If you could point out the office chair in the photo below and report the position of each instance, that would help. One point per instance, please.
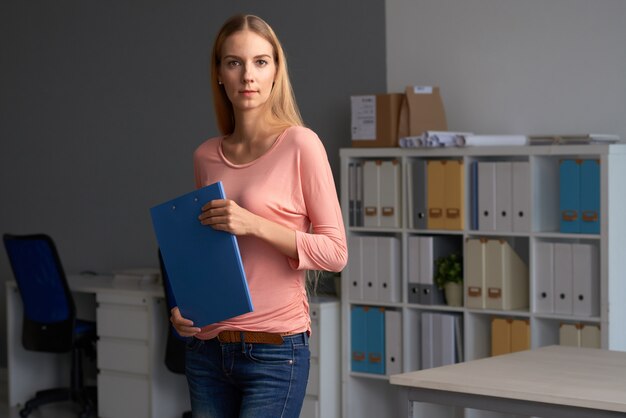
(49, 320)
(176, 345)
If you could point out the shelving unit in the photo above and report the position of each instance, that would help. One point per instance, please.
(369, 395)
(323, 391)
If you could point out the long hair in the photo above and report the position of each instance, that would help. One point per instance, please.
(281, 104)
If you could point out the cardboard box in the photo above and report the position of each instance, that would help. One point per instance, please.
(375, 120)
(422, 110)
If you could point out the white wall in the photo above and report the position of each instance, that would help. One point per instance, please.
(514, 66)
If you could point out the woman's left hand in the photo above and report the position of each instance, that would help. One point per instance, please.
(226, 215)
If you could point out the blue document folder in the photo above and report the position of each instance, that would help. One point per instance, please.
(204, 265)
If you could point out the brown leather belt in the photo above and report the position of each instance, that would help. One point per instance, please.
(251, 337)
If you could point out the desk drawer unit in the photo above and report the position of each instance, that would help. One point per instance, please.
(123, 355)
(323, 389)
(126, 351)
(131, 395)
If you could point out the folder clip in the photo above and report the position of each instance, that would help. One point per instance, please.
(452, 213)
(474, 291)
(388, 211)
(434, 212)
(495, 292)
(370, 211)
(375, 358)
(569, 215)
(590, 216)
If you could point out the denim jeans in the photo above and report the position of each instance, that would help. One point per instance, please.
(242, 380)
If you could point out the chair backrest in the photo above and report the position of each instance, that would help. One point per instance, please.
(176, 345)
(49, 311)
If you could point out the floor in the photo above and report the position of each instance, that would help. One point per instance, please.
(60, 410)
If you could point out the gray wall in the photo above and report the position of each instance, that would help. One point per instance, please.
(103, 103)
(514, 67)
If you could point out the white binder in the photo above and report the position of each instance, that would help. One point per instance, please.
(486, 196)
(356, 268)
(427, 337)
(393, 342)
(506, 277)
(586, 280)
(504, 196)
(389, 192)
(371, 198)
(563, 283)
(447, 345)
(474, 273)
(521, 196)
(369, 254)
(544, 277)
(388, 269)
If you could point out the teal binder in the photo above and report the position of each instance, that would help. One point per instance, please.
(204, 265)
(569, 196)
(359, 339)
(375, 335)
(590, 197)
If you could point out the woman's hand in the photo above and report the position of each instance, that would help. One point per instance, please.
(226, 215)
(183, 326)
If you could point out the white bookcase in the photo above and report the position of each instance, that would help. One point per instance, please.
(323, 391)
(371, 395)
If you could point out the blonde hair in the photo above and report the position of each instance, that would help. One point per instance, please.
(282, 106)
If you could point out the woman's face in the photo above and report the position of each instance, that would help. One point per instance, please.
(247, 70)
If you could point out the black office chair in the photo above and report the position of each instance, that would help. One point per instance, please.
(49, 320)
(176, 345)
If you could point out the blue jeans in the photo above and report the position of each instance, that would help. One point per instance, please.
(243, 380)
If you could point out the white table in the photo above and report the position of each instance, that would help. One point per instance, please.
(30, 371)
(551, 382)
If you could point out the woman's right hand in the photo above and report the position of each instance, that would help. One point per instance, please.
(183, 326)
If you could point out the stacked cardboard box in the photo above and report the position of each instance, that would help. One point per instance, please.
(379, 120)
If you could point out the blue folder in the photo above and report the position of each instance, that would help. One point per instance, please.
(375, 334)
(569, 196)
(359, 340)
(590, 197)
(204, 265)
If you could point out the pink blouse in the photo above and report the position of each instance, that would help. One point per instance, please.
(292, 185)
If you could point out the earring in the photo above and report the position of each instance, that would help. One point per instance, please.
(219, 82)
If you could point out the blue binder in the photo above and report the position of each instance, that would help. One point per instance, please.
(590, 197)
(375, 318)
(358, 341)
(204, 265)
(569, 196)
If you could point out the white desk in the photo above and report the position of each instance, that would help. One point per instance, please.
(163, 394)
(548, 382)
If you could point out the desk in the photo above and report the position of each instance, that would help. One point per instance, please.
(131, 320)
(553, 381)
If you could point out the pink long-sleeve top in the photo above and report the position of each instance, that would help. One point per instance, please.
(292, 185)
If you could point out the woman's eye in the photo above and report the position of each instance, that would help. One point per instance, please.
(262, 62)
(233, 63)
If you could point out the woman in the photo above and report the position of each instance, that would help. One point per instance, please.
(282, 206)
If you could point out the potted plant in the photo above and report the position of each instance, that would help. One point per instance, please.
(449, 277)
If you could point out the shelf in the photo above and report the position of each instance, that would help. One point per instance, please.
(539, 230)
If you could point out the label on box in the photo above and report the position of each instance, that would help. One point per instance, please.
(422, 90)
(363, 118)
